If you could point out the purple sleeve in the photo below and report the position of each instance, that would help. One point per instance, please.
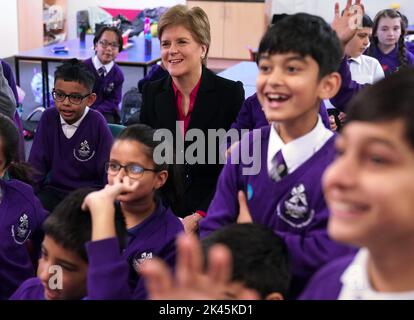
(39, 156)
(156, 73)
(245, 118)
(410, 57)
(312, 249)
(105, 144)
(108, 271)
(224, 207)
(348, 88)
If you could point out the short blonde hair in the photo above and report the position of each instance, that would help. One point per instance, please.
(195, 20)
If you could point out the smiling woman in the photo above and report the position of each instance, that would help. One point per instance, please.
(194, 97)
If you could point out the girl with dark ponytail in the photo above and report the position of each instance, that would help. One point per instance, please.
(387, 44)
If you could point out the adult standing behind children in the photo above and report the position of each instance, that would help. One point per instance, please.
(72, 142)
(108, 75)
(388, 44)
(194, 95)
(298, 59)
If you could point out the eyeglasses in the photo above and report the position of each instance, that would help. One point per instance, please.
(132, 170)
(105, 44)
(73, 98)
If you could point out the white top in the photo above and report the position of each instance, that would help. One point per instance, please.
(296, 152)
(365, 69)
(70, 129)
(97, 64)
(356, 284)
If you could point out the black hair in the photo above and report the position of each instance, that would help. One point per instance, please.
(10, 141)
(387, 100)
(71, 227)
(108, 28)
(172, 190)
(76, 71)
(393, 14)
(367, 21)
(260, 257)
(304, 34)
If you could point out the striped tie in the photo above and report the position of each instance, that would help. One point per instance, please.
(279, 168)
(102, 71)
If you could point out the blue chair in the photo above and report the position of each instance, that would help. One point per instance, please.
(116, 129)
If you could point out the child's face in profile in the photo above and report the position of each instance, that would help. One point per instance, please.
(288, 88)
(72, 107)
(70, 283)
(107, 48)
(359, 43)
(130, 152)
(369, 188)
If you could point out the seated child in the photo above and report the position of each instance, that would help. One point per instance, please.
(21, 214)
(72, 141)
(108, 76)
(63, 266)
(147, 193)
(298, 59)
(369, 189)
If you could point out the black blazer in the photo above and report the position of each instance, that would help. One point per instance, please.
(216, 106)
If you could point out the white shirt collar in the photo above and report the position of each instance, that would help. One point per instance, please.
(299, 150)
(357, 60)
(356, 284)
(97, 64)
(77, 123)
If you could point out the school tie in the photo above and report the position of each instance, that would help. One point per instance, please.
(279, 168)
(102, 71)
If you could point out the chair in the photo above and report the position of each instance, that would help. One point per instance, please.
(116, 129)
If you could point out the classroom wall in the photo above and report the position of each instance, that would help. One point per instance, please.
(76, 5)
(8, 21)
(325, 8)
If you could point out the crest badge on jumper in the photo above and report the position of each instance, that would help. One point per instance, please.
(20, 231)
(294, 209)
(84, 152)
(110, 87)
(140, 258)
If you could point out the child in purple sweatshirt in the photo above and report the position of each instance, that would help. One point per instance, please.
(298, 59)
(108, 75)
(63, 265)
(21, 214)
(146, 192)
(72, 141)
(369, 189)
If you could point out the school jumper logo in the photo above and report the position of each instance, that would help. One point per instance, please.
(20, 231)
(140, 258)
(110, 87)
(83, 154)
(295, 210)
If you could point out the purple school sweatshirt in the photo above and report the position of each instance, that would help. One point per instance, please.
(293, 207)
(72, 163)
(113, 275)
(21, 217)
(31, 289)
(108, 89)
(390, 62)
(156, 73)
(326, 283)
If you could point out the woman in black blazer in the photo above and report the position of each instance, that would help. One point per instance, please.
(193, 94)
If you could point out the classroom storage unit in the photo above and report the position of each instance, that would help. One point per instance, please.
(235, 26)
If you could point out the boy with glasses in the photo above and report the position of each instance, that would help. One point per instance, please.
(72, 141)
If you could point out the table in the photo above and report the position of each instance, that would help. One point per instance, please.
(132, 56)
(246, 72)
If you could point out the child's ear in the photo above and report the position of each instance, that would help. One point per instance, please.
(329, 85)
(91, 99)
(162, 177)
